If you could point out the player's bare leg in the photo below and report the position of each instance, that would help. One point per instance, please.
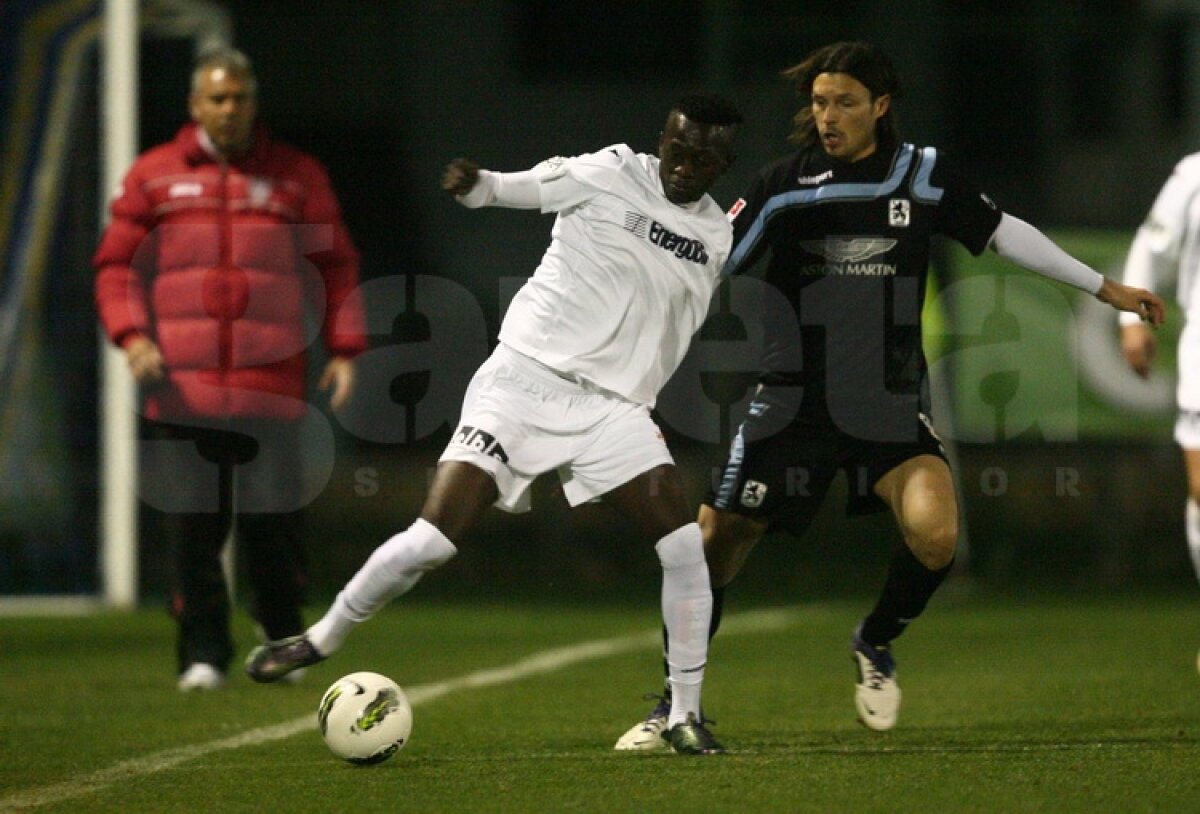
(728, 540)
(459, 496)
(921, 495)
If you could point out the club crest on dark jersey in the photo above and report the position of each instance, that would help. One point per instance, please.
(899, 212)
(753, 494)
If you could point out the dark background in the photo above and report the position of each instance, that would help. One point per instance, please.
(1069, 114)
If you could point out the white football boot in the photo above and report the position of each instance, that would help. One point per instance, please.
(876, 693)
(647, 736)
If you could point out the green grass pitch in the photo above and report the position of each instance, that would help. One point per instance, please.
(1043, 704)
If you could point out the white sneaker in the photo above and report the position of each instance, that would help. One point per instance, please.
(876, 693)
(647, 736)
(201, 676)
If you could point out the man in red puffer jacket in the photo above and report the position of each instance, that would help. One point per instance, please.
(225, 256)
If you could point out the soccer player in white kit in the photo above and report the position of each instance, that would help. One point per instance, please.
(1166, 248)
(635, 254)
(845, 224)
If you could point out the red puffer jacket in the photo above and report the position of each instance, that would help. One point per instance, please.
(219, 264)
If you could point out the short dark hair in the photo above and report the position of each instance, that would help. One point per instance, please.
(709, 108)
(865, 62)
(231, 59)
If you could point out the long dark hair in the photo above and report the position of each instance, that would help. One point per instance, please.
(866, 63)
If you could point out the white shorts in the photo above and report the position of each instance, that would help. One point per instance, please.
(1187, 388)
(521, 419)
(1187, 429)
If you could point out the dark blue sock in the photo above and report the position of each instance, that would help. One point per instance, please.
(906, 592)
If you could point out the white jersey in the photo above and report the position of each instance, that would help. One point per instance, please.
(1167, 248)
(627, 279)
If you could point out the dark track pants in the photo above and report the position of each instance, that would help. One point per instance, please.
(245, 474)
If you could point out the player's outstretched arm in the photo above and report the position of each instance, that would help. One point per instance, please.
(1146, 304)
(474, 187)
(1024, 244)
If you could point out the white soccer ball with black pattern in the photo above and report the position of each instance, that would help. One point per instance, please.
(364, 718)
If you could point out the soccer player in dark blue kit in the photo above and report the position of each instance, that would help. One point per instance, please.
(847, 221)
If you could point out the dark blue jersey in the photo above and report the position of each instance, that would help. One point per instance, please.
(849, 249)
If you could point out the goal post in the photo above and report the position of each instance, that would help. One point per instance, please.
(118, 397)
(204, 23)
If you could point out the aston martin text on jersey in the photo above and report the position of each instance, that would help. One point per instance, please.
(849, 256)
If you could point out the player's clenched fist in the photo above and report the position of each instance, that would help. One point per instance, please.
(460, 176)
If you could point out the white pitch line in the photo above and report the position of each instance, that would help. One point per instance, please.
(546, 661)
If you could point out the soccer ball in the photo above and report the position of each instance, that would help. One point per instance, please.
(364, 718)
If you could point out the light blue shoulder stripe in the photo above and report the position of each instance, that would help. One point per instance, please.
(922, 190)
(819, 195)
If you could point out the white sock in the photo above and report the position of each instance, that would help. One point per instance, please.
(1193, 534)
(687, 612)
(391, 570)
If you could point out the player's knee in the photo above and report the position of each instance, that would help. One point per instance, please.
(421, 548)
(728, 540)
(681, 548)
(934, 546)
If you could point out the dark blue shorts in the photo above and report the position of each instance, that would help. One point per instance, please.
(780, 466)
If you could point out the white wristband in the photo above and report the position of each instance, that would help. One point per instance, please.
(482, 194)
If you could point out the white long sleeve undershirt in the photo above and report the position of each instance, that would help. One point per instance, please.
(1025, 245)
(514, 190)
